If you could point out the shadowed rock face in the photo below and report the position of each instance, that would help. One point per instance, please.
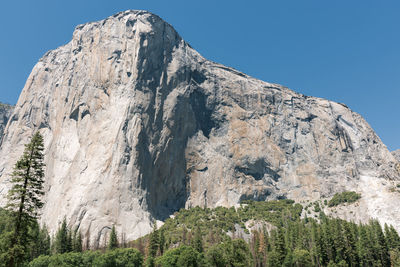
(5, 113)
(137, 125)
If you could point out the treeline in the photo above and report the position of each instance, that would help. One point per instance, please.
(278, 236)
(207, 237)
(39, 241)
(331, 242)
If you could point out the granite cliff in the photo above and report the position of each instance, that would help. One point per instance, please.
(5, 113)
(396, 154)
(137, 124)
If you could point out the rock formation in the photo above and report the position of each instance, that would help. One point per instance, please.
(396, 154)
(138, 125)
(5, 113)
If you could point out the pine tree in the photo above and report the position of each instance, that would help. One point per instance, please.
(381, 244)
(43, 242)
(162, 241)
(365, 247)
(392, 237)
(77, 241)
(395, 237)
(350, 251)
(280, 246)
(316, 252)
(338, 241)
(40, 241)
(152, 248)
(69, 244)
(61, 243)
(113, 244)
(198, 240)
(24, 198)
(154, 242)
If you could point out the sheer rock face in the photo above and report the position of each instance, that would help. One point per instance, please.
(137, 125)
(396, 154)
(5, 113)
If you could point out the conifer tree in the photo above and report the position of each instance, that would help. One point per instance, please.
(280, 246)
(361, 248)
(394, 237)
(350, 252)
(153, 242)
(152, 247)
(40, 241)
(61, 243)
(77, 241)
(198, 240)
(24, 198)
(113, 244)
(69, 244)
(382, 247)
(162, 241)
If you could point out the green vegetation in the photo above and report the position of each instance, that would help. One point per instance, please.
(38, 241)
(279, 237)
(344, 197)
(317, 208)
(24, 201)
(292, 242)
(128, 257)
(181, 257)
(66, 240)
(213, 224)
(113, 243)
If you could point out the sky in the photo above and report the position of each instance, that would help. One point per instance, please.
(345, 51)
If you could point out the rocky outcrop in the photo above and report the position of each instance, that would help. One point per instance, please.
(5, 113)
(137, 125)
(396, 154)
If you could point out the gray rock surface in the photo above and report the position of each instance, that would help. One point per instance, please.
(5, 113)
(137, 125)
(396, 154)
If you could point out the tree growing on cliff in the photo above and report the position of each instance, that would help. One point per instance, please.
(24, 198)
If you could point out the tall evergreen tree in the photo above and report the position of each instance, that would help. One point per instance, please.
(280, 246)
(392, 238)
(154, 242)
(24, 198)
(162, 241)
(113, 244)
(381, 244)
(350, 251)
(40, 244)
(152, 248)
(62, 242)
(77, 241)
(198, 240)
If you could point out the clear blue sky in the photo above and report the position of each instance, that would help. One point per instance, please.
(343, 50)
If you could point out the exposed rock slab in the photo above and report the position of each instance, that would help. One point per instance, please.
(5, 113)
(396, 154)
(380, 198)
(137, 125)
